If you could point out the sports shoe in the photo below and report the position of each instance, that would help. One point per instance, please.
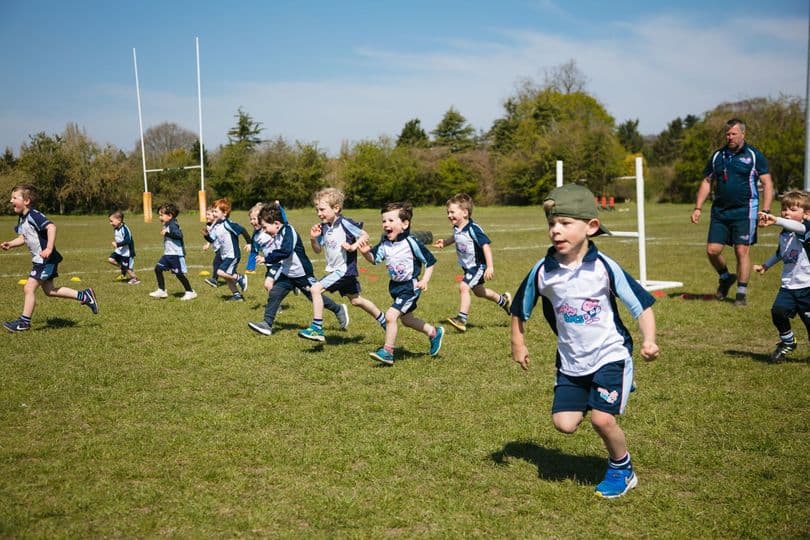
(236, 297)
(436, 341)
(617, 482)
(119, 277)
(17, 326)
(242, 282)
(315, 334)
(159, 293)
(261, 327)
(343, 316)
(460, 325)
(211, 282)
(740, 300)
(780, 353)
(134, 281)
(381, 355)
(724, 285)
(90, 300)
(508, 305)
(189, 295)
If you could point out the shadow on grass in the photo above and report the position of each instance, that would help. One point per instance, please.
(57, 323)
(706, 297)
(552, 464)
(765, 357)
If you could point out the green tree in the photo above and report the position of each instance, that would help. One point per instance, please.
(454, 131)
(246, 131)
(412, 134)
(629, 137)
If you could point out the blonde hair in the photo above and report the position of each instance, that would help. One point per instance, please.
(333, 197)
(795, 197)
(464, 201)
(256, 208)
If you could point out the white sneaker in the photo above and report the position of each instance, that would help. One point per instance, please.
(159, 293)
(189, 295)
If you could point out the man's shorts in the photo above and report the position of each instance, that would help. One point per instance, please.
(345, 285)
(733, 227)
(606, 390)
(175, 263)
(125, 263)
(474, 276)
(228, 265)
(405, 295)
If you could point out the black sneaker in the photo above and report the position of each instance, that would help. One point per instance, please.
(724, 285)
(17, 326)
(740, 300)
(90, 300)
(780, 353)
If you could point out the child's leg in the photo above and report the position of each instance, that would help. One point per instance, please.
(30, 297)
(279, 291)
(368, 306)
(391, 316)
(85, 296)
(465, 301)
(482, 292)
(230, 280)
(411, 321)
(611, 434)
(184, 281)
(161, 282)
(567, 421)
(317, 302)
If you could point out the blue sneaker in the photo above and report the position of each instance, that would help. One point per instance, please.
(17, 326)
(381, 355)
(90, 300)
(343, 316)
(315, 334)
(436, 341)
(211, 282)
(617, 482)
(242, 282)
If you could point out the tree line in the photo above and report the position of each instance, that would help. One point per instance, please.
(513, 162)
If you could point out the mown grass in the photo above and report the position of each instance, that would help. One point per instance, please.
(169, 418)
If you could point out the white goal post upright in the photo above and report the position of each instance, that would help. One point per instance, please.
(641, 234)
(147, 196)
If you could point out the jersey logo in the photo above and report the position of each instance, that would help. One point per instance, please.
(587, 314)
(609, 397)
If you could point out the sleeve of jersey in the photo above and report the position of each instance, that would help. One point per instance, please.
(479, 236)
(762, 164)
(378, 253)
(174, 231)
(39, 220)
(629, 291)
(352, 228)
(127, 238)
(708, 170)
(527, 295)
(428, 257)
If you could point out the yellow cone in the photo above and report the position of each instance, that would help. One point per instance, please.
(75, 278)
(205, 273)
(22, 282)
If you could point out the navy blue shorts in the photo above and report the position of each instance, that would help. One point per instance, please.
(228, 265)
(733, 227)
(346, 286)
(606, 390)
(175, 263)
(44, 271)
(125, 263)
(404, 295)
(474, 276)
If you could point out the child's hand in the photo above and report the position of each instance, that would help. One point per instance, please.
(345, 246)
(363, 246)
(423, 284)
(766, 219)
(259, 259)
(45, 253)
(5, 246)
(163, 231)
(520, 354)
(114, 244)
(206, 246)
(439, 243)
(649, 350)
(315, 231)
(204, 231)
(759, 269)
(247, 247)
(489, 273)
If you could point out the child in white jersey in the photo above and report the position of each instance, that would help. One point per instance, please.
(224, 237)
(174, 253)
(474, 256)
(38, 233)
(124, 255)
(337, 236)
(794, 294)
(404, 257)
(579, 286)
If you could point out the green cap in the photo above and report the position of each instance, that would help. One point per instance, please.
(572, 200)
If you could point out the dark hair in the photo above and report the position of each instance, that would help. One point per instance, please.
(405, 209)
(170, 209)
(270, 213)
(118, 214)
(735, 122)
(464, 201)
(28, 192)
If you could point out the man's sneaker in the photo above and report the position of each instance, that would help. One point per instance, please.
(740, 300)
(90, 300)
(724, 285)
(780, 353)
(381, 355)
(617, 482)
(508, 305)
(315, 334)
(242, 282)
(236, 297)
(211, 282)
(159, 293)
(134, 281)
(17, 326)
(343, 316)
(436, 341)
(189, 295)
(460, 325)
(261, 327)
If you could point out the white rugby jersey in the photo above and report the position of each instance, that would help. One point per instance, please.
(332, 237)
(794, 242)
(287, 249)
(224, 238)
(579, 304)
(32, 227)
(469, 241)
(173, 239)
(404, 257)
(124, 244)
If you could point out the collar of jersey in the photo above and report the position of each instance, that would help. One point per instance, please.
(552, 263)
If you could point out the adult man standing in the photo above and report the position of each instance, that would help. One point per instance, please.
(735, 170)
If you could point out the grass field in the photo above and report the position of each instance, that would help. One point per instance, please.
(170, 418)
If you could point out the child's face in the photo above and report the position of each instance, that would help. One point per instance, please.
(326, 213)
(18, 203)
(163, 217)
(254, 220)
(392, 225)
(457, 215)
(271, 227)
(217, 214)
(209, 215)
(115, 221)
(796, 213)
(569, 236)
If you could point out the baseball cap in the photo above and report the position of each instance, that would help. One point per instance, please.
(572, 200)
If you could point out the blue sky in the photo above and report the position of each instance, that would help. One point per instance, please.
(328, 72)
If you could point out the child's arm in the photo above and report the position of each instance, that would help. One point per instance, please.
(423, 283)
(444, 242)
(646, 324)
(762, 268)
(489, 273)
(365, 249)
(314, 235)
(9, 244)
(353, 247)
(520, 353)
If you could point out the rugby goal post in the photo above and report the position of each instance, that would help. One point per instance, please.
(640, 233)
(147, 195)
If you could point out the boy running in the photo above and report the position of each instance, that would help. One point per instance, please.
(174, 253)
(124, 255)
